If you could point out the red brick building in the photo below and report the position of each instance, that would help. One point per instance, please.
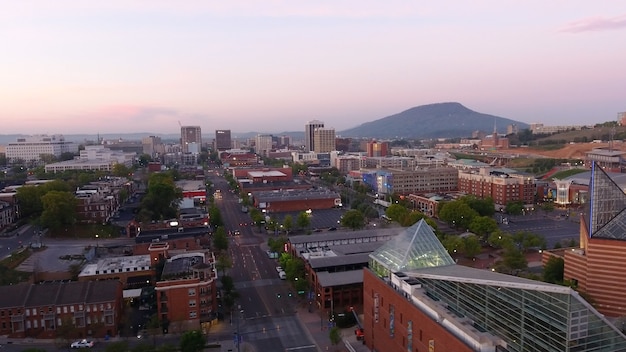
(72, 309)
(187, 292)
(375, 148)
(296, 200)
(500, 186)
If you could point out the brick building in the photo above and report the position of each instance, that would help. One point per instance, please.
(296, 200)
(375, 148)
(72, 309)
(501, 186)
(334, 262)
(133, 271)
(421, 180)
(187, 292)
(417, 299)
(594, 267)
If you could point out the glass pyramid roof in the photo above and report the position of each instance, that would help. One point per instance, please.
(607, 207)
(414, 248)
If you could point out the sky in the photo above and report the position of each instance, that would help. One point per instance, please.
(270, 66)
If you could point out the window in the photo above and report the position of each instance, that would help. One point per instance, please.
(58, 310)
(72, 309)
(192, 303)
(193, 314)
(65, 309)
(192, 291)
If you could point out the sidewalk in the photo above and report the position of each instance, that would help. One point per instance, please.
(317, 330)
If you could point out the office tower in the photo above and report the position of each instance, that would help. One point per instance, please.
(31, 148)
(152, 145)
(191, 139)
(222, 140)
(323, 140)
(309, 130)
(263, 144)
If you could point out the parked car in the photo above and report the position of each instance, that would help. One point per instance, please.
(84, 343)
(279, 269)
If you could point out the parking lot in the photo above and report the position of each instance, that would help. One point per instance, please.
(554, 226)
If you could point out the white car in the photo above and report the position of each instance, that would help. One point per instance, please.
(82, 344)
(279, 269)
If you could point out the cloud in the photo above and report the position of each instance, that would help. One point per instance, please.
(595, 24)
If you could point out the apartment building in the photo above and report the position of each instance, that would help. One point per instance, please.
(421, 180)
(309, 134)
(324, 140)
(187, 292)
(92, 309)
(501, 186)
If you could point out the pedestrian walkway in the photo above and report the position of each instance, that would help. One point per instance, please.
(318, 331)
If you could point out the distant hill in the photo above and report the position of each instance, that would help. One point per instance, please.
(443, 120)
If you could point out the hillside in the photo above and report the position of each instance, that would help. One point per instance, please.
(443, 120)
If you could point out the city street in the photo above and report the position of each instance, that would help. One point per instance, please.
(265, 315)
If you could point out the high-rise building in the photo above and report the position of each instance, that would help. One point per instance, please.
(323, 140)
(223, 140)
(263, 144)
(33, 147)
(191, 139)
(152, 145)
(309, 130)
(375, 148)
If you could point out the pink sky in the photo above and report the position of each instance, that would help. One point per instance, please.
(271, 66)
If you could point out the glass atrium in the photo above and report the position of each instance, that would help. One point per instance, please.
(521, 314)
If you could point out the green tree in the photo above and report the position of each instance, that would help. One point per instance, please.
(29, 198)
(121, 170)
(547, 207)
(288, 223)
(59, 209)
(526, 240)
(553, 270)
(192, 341)
(215, 216)
(334, 334)
(162, 197)
(220, 240)
(223, 262)
(276, 244)
(303, 221)
(458, 214)
(411, 218)
(353, 219)
(484, 207)
(396, 212)
(514, 208)
(514, 260)
(483, 226)
(471, 246)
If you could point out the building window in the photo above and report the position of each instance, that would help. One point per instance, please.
(65, 309)
(192, 303)
(193, 314)
(192, 291)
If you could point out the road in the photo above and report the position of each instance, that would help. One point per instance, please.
(23, 236)
(265, 314)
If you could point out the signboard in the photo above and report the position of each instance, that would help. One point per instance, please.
(431, 345)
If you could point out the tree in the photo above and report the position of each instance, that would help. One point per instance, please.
(220, 240)
(162, 197)
(303, 221)
(288, 223)
(334, 335)
(484, 207)
(396, 212)
(121, 170)
(215, 216)
(59, 209)
(514, 208)
(457, 213)
(276, 244)
(353, 219)
(471, 246)
(526, 240)
(483, 226)
(514, 260)
(192, 341)
(29, 198)
(553, 270)
(223, 263)
(547, 207)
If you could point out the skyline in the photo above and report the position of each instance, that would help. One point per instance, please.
(271, 66)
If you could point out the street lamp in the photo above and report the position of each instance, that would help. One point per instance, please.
(97, 244)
